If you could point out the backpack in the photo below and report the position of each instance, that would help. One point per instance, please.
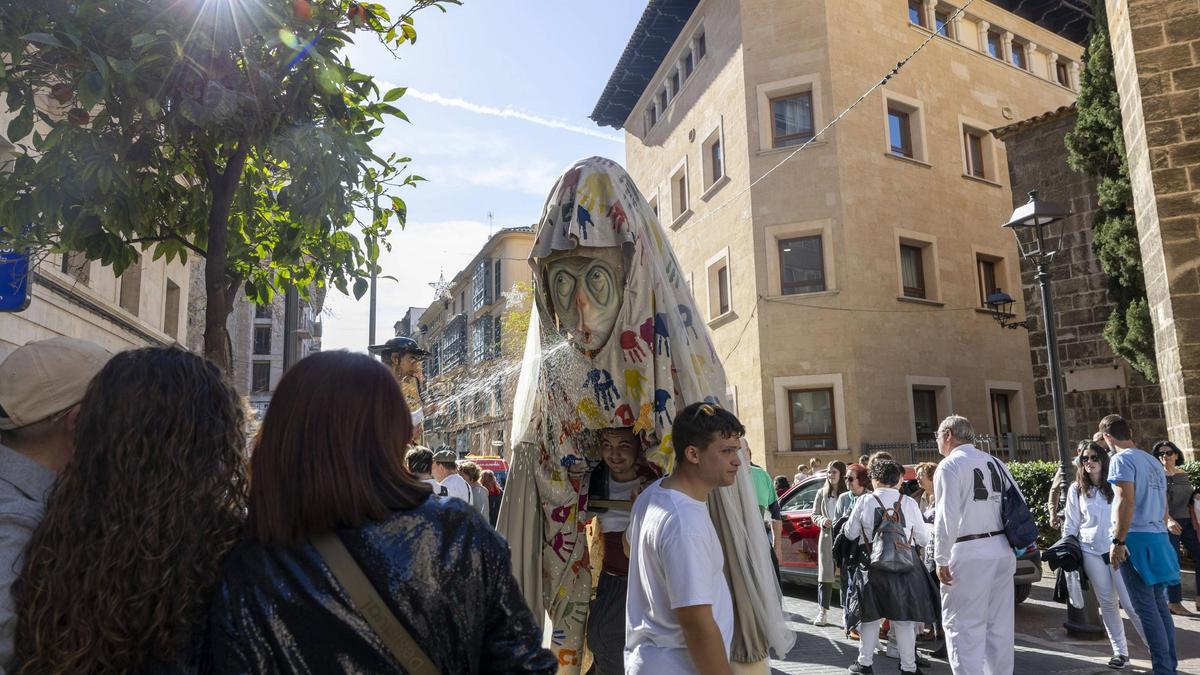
(890, 549)
(1019, 526)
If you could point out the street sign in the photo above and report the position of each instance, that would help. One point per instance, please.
(16, 280)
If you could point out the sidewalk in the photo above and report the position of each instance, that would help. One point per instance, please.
(1042, 644)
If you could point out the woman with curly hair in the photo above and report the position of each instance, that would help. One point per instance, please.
(118, 575)
(327, 461)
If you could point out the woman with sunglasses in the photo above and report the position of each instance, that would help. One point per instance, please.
(1089, 518)
(1180, 527)
(858, 483)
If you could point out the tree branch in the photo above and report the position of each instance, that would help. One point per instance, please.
(171, 237)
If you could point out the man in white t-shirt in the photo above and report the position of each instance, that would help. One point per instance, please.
(679, 611)
(445, 472)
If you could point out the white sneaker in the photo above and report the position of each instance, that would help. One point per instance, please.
(821, 618)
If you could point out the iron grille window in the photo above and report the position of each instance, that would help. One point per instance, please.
(482, 286)
(481, 339)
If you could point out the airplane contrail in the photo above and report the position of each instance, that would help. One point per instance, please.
(510, 113)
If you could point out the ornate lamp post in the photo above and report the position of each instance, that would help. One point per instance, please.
(1029, 223)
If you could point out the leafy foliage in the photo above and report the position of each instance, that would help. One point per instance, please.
(232, 130)
(1097, 147)
(1034, 479)
(515, 322)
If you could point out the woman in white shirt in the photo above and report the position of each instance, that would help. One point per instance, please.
(906, 598)
(1089, 518)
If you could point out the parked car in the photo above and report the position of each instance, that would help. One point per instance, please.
(796, 548)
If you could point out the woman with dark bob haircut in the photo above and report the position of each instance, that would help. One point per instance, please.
(119, 573)
(329, 458)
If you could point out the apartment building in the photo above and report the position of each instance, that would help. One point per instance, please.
(844, 286)
(471, 373)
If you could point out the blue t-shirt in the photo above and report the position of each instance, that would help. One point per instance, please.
(1149, 480)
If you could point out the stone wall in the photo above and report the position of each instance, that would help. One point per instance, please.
(1156, 50)
(1096, 381)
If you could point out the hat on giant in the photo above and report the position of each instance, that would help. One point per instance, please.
(398, 345)
(445, 457)
(46, 377)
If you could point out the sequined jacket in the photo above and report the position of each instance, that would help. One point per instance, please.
(443, 571)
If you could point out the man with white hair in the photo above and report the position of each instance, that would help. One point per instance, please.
(974, 561)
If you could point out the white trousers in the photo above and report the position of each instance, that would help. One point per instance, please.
(977, 613)
(1107, 584)
(903, 634)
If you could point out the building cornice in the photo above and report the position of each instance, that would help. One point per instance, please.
(663, 21)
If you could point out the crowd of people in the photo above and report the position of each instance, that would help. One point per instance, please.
(134, 539)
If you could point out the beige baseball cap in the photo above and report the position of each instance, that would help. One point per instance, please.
(46, 377)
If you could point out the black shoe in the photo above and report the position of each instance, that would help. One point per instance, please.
(1119, 662)
(922, 662)
(860, 669)
(940, 653)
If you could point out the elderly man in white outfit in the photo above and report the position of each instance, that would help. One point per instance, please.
(974, 561)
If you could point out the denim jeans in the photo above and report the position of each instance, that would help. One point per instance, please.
(1150, 602)
(1189, 540)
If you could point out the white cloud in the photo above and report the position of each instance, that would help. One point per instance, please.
(419, 254)
(511, 113)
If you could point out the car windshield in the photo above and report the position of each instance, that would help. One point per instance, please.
(803, 498)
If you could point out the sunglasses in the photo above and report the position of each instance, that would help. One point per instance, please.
(1090, 458)
(1165, 453)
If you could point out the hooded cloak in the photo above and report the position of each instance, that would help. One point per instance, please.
(658, 359)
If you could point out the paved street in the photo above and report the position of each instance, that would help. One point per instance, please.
(1043, 646)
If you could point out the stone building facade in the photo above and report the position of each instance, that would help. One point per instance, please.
(471, 372)
(843, 285)
(1096, 381)
(1156, 51)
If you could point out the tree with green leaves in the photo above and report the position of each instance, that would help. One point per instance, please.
(236, 130)
(1096, 147)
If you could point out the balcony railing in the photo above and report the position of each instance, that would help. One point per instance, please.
(1007, 447)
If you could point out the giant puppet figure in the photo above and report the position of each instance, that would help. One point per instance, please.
(614, 341)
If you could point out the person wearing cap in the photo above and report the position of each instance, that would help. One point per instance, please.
(403, 357)
(41, 386)
(445, 471)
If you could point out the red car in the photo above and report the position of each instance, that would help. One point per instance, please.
(797, 547)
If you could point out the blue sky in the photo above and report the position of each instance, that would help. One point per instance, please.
(499, 94)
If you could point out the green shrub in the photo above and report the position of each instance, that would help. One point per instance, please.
(1193, 472)
(1034, 479)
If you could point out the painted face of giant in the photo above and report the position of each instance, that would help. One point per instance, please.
(586, 286)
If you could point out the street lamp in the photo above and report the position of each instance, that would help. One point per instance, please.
(1001, 305)
(1033, 223)
(1029, 223)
